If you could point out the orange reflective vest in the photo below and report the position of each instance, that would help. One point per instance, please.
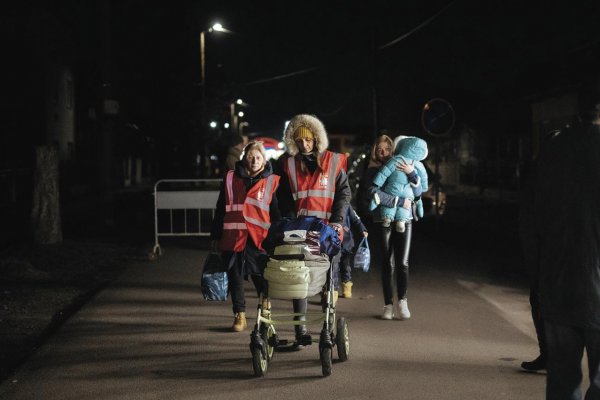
(313, 193)
(246, 212)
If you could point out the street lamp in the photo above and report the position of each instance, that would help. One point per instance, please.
(235, 116)
(214, 28)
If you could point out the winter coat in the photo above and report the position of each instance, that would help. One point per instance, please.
(561, 227)
(410, 150)
(311, 164)
(366, 192)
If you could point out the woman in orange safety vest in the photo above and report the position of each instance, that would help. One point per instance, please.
(314, 181)
(246, 206)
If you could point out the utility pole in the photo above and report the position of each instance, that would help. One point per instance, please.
(110, 111)
(374, 81)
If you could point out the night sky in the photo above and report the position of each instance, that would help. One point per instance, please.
(322, 57)
(469, 51)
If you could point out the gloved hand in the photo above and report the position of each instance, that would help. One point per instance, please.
(420, 212)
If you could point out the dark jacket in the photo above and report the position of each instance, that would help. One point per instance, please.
(561, 227)
(352, 226)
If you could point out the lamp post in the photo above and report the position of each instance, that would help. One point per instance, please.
(218, 28)
(242, 125)
(234, 116)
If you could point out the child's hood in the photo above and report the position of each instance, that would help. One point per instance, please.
(413, 148)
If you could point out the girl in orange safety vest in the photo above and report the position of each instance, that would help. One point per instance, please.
(246, 206)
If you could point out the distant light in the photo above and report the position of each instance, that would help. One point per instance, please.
(280, 145)
(214, 157)
(239, 101)
(213, 124)
(240, 114)
(226, 125)
(363, 156)
(218, 27)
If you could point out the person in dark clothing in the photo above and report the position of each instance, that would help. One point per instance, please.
(565, 254)
(245, 208)
(528, 242)
(344, 266)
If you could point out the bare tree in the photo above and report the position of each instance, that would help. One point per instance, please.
(45, 212)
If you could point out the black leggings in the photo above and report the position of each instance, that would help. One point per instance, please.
(395, 248)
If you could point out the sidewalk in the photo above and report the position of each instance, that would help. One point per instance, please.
(150, 335)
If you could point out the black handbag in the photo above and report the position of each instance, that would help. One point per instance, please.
(215, 284)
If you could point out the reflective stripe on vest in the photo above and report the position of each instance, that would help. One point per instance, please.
(234, 225)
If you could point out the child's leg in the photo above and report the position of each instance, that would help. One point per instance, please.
(346, 266)
(387, 215)
(401, 218)
(346, 270)
(418, 191)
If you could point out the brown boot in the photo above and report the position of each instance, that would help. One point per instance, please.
(347, 290)
(239, 323)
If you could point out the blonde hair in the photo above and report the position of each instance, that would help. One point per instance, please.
(255, 145)
(381, 139)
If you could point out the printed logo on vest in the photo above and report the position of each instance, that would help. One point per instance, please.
(323, 179)
(260, 194)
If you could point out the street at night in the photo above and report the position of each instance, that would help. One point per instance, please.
(150, 334)
(139, 137)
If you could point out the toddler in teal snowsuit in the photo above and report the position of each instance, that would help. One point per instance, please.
(409, 150)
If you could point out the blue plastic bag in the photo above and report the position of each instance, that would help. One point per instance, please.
(362, 258)
(215, 284)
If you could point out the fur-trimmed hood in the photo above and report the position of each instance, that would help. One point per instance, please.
(316, 127)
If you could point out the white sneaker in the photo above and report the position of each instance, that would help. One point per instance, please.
(388, 311)
(403, 312)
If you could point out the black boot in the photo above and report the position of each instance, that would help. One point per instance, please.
(535, 365)
(300, 307)
(301, 331)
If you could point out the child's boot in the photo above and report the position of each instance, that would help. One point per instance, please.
(347, 290)
(400, 226)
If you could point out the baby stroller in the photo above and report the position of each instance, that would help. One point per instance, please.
(300, 266)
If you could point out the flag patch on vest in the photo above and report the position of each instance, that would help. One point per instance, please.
(260, 194)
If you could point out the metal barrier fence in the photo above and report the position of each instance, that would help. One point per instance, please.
(184, 206)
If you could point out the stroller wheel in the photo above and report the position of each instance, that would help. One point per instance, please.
(268, 337)
(259, 362)
(325, 356)
(342, 339)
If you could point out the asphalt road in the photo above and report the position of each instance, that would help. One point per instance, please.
(151, 335)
